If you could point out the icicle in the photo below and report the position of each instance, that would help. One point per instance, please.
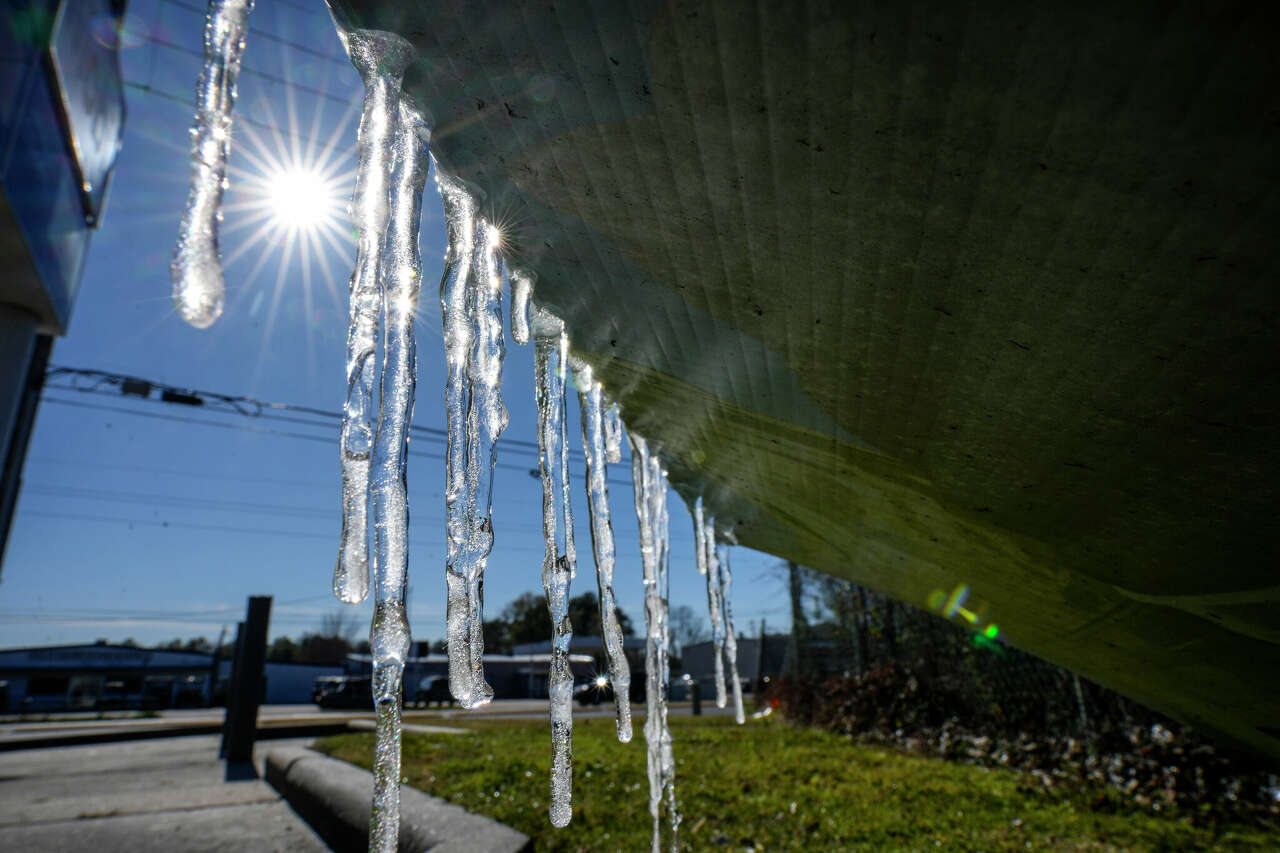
(650, 485)
(460, 222)
(730, 639)
(704, 537)
(380, 58)
(612, 435)
(389, 636)
(471, 310)
(521, 289)
(550, 354)
(590, 404)
(199, 289)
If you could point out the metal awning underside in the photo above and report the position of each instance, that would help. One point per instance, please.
(922, 293)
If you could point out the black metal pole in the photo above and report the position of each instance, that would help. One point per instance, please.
(20, 437)
(246, 696)
(231, 690)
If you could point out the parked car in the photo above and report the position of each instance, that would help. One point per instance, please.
(343, 691)
(433, 688)
(594, 692)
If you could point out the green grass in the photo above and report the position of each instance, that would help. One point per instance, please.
(772, 786)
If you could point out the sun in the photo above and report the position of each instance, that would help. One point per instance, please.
(300, 198)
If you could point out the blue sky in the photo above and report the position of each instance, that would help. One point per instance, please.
(153, 521)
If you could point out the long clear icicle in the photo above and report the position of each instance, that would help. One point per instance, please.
(389, 635)
(199, 289)
(471, 309)
(559, 564)
(650, 485)
(381, 58)
(590, 402)
(730, 639)
(704, 537)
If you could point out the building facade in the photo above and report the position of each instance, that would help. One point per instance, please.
(103, 677)
(62, 114)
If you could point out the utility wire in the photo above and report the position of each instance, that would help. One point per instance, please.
(89, 380)
(250, 428)
(185, 473)
(179, 501)
(210, 612)
(222, 528)
(209, 504)
(276, 432)
(148, 89)
(264, 415)
(239, 404)
(310, 10)
(254, 72)
(621, 533)
(218, 528)
(269, 36)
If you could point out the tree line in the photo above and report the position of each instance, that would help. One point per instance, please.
(524, 620)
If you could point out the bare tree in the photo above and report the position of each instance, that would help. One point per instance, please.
(797, 646)
(339, 624)
(687, 628)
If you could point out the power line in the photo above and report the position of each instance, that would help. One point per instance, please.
(220, 528)
(220, 406)
(185, 473)
(310, 10)
(148, 89)
(175, 501)
(254, 72)
(250, 428)
(140, 388)
(210, 504)
(269, 36)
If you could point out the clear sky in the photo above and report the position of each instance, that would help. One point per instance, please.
(150, 520)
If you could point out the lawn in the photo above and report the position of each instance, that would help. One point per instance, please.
(771, 786)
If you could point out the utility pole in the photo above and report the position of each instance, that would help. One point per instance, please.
(247, 682)
(798, 644)
(861, 627)
(217, 661)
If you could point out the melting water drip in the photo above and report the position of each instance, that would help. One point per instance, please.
(730, 639)
(550, 355)
(471, 309)
(199, 289)
(590, 403)
(380, 58)
(612, 435)
(521, 288)
(704, 537)
(650, 485)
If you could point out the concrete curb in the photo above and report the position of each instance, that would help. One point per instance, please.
(408, 728)
(334, 797)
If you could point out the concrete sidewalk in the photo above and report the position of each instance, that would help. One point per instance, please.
(142, 796)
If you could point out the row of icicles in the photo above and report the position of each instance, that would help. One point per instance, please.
(393, 162)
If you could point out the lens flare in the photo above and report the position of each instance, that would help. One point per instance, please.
(300, 198)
